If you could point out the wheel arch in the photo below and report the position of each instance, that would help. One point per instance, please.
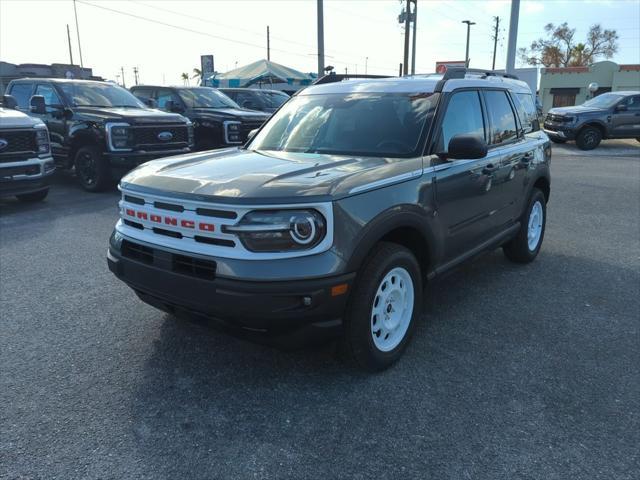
(79, 139)
(594, 124)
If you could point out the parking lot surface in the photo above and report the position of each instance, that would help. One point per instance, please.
(515, 371)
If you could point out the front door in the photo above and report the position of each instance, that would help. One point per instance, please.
(54, 118)
(626, 123)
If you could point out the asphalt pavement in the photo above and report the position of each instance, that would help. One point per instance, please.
(515, 372)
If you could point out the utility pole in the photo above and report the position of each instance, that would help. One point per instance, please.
(513, 36)
(135, 74)
(366, 61)
(496, 31)
(320, 15)
(466, 55)
(400, 72)
(415, 26)
(407, 28)
(69, 40)
(124, 85)
(75, 11)
(268, 45)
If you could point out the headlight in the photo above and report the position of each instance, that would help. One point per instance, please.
(119, 136)
(42, 140)
(280, 230)
(190, 134)
(232, 132)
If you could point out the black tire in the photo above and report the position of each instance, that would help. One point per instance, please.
(588, 138)
(92, 169)
(518, 250)
(357, 340)
(34, 196)
(558, 140)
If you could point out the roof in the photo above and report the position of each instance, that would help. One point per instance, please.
(60, 80)
(414, 84)
(262, 70)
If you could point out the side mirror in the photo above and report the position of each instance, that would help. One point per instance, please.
(252, 134)
(621, 108)
(467, 147)
(9, 102)
(151, 103)
(37, 105)
(171, 106)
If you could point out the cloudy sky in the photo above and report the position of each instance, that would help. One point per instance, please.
(166, 37)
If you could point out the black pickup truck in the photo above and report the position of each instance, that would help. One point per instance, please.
(217, 120)
(99, 128)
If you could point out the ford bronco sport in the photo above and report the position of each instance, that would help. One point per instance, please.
(99, 128)
(341, 208)
(25, 157)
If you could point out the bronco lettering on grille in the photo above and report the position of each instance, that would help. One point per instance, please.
(205, 227)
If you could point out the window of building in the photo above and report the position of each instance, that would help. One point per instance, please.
(463, 116)
(501, 117)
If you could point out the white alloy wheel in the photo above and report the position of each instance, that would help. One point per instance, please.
(392, 309)
(536, 219)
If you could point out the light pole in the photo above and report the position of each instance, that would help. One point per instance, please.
(466, 55)
(513, 36)
(320, 15)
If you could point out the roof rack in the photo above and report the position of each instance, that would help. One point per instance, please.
(339, 77)
(460, 72)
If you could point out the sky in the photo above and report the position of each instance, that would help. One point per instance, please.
(165, 38)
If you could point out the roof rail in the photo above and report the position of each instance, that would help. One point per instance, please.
(339, 77)
(460, 72)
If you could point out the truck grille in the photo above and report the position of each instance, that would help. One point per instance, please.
(21, 144)
(146, 137)
(247, 126)
(557, 118)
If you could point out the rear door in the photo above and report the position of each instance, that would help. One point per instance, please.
(626, 123)
(464, 194)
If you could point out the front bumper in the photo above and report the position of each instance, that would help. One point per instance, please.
(167, 281)
(559, 131)
(26, 176)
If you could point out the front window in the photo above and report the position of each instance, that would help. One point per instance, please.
(95, 94)
(367, 124)
(606, 100)
(205, 98)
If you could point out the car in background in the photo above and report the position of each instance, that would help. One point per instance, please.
(25, 156)
(610, 115)
(257, 99)
(99, 128)
(217, 120)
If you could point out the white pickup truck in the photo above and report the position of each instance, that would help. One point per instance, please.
(25, 156)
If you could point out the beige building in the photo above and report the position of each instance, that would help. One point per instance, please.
(562, 87)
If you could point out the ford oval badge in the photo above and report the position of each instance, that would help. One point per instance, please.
(165, 136)
(3, 144)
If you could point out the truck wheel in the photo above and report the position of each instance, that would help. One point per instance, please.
(382, 311)
(558, 140)
(525, 246)
(588, 138)
(33, 197)
(92, 169)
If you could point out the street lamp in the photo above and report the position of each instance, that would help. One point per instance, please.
(466, 55)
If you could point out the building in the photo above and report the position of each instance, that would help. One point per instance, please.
(10, 71)
(563, 87)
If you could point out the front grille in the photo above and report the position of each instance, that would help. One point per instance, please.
(20, 142)
(194, 267)
(146, 137)
(247, 126)
(137, 252)
(558, 118)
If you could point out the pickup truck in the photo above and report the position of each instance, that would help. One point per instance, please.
(338, 212)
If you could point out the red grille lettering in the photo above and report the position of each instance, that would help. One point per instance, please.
(171, 221)
(156, 218)
(131, 212)
(187, 224)
(142, 215)
(206, 227)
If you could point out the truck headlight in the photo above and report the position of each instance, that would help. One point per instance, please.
(280, 230)
(190, 134)
(232, 132)
(119, 136)
(42, 140)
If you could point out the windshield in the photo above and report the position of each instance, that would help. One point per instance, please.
(99, 95)
(605, 100)
(274, 99)
(371, 124)
(205, 98)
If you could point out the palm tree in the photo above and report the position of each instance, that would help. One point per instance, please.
(197, 74)
(185, 78)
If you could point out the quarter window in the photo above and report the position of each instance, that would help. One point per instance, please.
(463, 116)
(22, 93)
(501, 117)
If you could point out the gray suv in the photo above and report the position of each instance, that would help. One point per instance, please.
(340, 209)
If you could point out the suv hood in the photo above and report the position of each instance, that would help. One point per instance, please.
(233, 174)
(130, 115)
(578, 109)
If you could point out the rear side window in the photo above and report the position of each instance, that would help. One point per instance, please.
(49, 94)
(463, 116)
(501, 117)
(527, 112)
(22, 93)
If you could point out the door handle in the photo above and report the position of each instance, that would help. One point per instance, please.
(489, 169)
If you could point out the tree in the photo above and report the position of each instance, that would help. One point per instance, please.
(185, 78)
(197, 74)
(560, 50)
